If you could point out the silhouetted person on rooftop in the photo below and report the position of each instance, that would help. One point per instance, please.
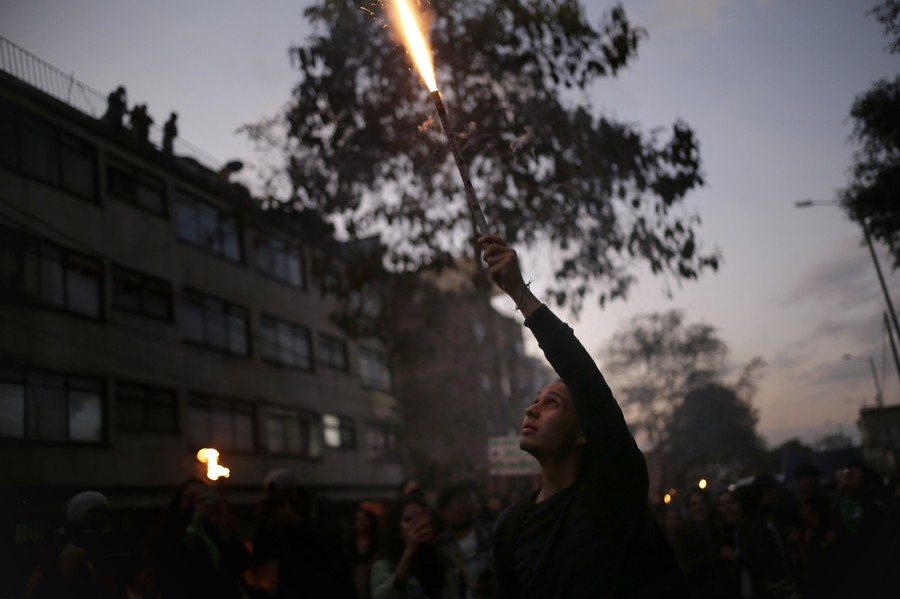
(140, 123)
(170, 131)
(115, 108)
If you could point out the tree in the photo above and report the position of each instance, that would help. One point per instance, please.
(657, 359)
(711, 428)
(871, 196)
(362, 147)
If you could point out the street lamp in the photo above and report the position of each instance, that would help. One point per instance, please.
(878, 399)
(884, 289)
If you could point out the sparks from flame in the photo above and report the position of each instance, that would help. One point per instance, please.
(214, 470)
(409, 23)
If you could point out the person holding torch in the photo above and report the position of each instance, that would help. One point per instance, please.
(588, 531)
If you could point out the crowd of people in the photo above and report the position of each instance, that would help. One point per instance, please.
(588, 530)
(139, 120)
(769, 539)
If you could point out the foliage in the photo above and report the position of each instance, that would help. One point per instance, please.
(657, 359)
(362, 146)
(713, 426)
(871, 196)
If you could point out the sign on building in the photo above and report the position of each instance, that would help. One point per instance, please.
(506, 459)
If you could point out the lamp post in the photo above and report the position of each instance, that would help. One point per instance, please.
(884, 289)
(879, 401)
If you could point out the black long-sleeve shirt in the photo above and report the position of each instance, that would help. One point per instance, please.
(595, 538)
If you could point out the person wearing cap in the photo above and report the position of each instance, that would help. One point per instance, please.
(79, 560)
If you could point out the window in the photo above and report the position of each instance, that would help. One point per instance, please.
(144, 408)
(339, 431)
(373, 369)
(202, 225)
(136, 187)
(224, 423)
(280, 260)
(43, 151)
(38, 405)
(381, 442)
(285, 343)
(142, 294)
(38, 272)
(332, 352)
(293, 432)
(215, 323)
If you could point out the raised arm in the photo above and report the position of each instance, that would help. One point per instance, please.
(612, 448)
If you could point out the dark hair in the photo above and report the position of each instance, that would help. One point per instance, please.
(427, 566)
(451, 492)
(806, 469)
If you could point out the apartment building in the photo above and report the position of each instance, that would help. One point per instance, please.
(149, 308)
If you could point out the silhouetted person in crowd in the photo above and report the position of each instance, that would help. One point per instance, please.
(141, 122)
(807, 481)
(699, 545)
(80, 561)
(589, 531)
(363, 548)
(116, 107)
(297, 550)
(410, 486)
(762, 567)
(170, 132)
(411, 565)
(467, 541)
(821, 537)
(196, 551)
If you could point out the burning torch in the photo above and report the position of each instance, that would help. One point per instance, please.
(408, 25)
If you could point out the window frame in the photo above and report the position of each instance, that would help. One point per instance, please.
(382, 360)
(314, 442)
(138, 177)
(390, 456)
(287, 248)
(345, 426)
(71, 384)
(229, 309)
(35, 258)
(183, 198)
(324, 355)
(145, 428)
(234, 406)
(143, 280)
(266, 318)
(58, 141)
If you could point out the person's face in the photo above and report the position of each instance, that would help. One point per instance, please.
(551, 425)
(413, 515)
(189, 497)
(698, 509)
(729, 508)
(362, 523)
(672, 521)
(457, 512)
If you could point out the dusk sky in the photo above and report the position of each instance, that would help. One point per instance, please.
(767, 86)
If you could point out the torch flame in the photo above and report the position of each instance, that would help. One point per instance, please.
(210, 457)
(409, 23)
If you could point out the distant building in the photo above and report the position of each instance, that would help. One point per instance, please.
(879, 429)
(462, 374)
(150, 308)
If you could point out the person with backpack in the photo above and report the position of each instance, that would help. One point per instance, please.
(588, 531)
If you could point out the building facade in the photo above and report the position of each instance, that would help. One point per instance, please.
(150, 308)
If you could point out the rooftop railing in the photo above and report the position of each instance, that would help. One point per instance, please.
(42, 75)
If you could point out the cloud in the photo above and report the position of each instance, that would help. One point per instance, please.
(696, 14)
(846, 282)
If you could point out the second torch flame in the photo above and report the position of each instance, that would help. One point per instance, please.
(408, 22)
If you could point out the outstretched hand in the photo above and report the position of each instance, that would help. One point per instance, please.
(503, 265)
